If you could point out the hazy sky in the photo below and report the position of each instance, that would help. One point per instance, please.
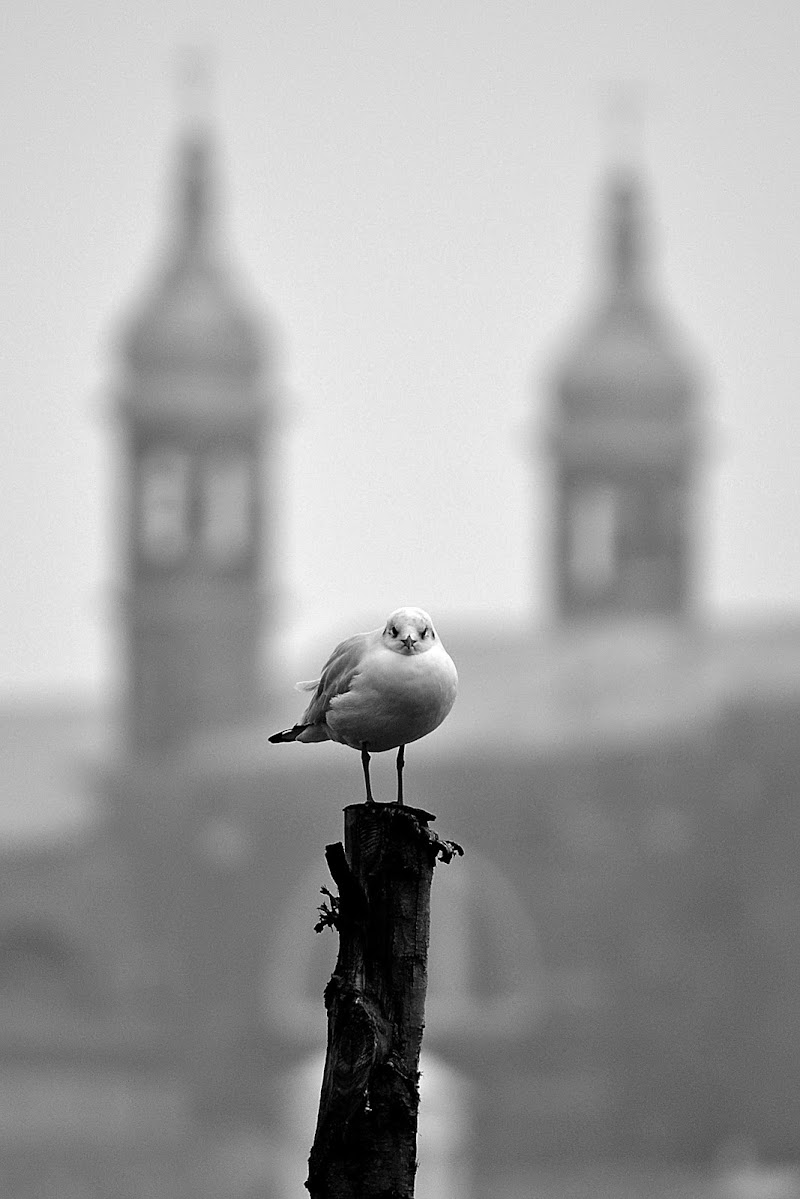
(411, 193)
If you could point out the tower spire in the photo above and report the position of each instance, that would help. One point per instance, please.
(196, 181)
(193, 405)
(195, 198)
(195, 86)
(625, 249)
(624, 112)
(625, 430)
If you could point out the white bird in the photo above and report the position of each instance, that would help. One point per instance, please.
(380, 690)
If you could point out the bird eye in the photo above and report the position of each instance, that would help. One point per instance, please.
(392, 631)
(424, 633)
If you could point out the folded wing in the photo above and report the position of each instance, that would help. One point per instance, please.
(336, 677)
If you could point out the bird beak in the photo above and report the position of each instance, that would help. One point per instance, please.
(409, 642)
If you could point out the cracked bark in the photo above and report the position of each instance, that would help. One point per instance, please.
(366, 1136)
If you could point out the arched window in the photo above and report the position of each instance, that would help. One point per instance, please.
(592, 532)
(163, 504)
(227, 504)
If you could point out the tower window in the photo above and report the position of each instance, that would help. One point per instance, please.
(163, 504)
(227, 508)
(592, 529)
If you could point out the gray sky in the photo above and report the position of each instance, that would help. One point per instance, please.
(412, 193)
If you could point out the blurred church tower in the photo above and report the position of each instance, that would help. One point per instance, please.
(194, 413)
(624, 440)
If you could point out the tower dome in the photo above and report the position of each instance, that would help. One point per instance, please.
(196, 415)
(624, 436)
(192, 319)
(628, 363)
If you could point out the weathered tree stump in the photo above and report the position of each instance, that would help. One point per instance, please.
(366, 1137)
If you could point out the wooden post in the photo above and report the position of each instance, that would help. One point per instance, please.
(366, 1139)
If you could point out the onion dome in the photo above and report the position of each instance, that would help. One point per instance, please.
(193, 320)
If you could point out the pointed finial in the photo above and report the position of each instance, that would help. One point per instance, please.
(196, 168)
(625, 232)
(195, 85)
(624, 116)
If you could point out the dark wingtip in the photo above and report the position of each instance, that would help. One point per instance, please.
(288, 734)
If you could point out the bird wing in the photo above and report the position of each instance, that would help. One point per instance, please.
(337, 675)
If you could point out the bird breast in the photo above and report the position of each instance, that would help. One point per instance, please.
(394, 699)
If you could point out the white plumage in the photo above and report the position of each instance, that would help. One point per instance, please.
(380, 691)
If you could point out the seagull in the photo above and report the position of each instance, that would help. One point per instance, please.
(380, 690)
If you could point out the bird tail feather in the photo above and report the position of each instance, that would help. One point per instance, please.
(288, 734)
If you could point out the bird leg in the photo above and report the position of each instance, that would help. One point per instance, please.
(400, 763)
(365, 764)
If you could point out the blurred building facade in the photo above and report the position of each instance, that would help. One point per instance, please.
(614, 966)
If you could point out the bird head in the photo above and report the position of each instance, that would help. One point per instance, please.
(409, 631)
